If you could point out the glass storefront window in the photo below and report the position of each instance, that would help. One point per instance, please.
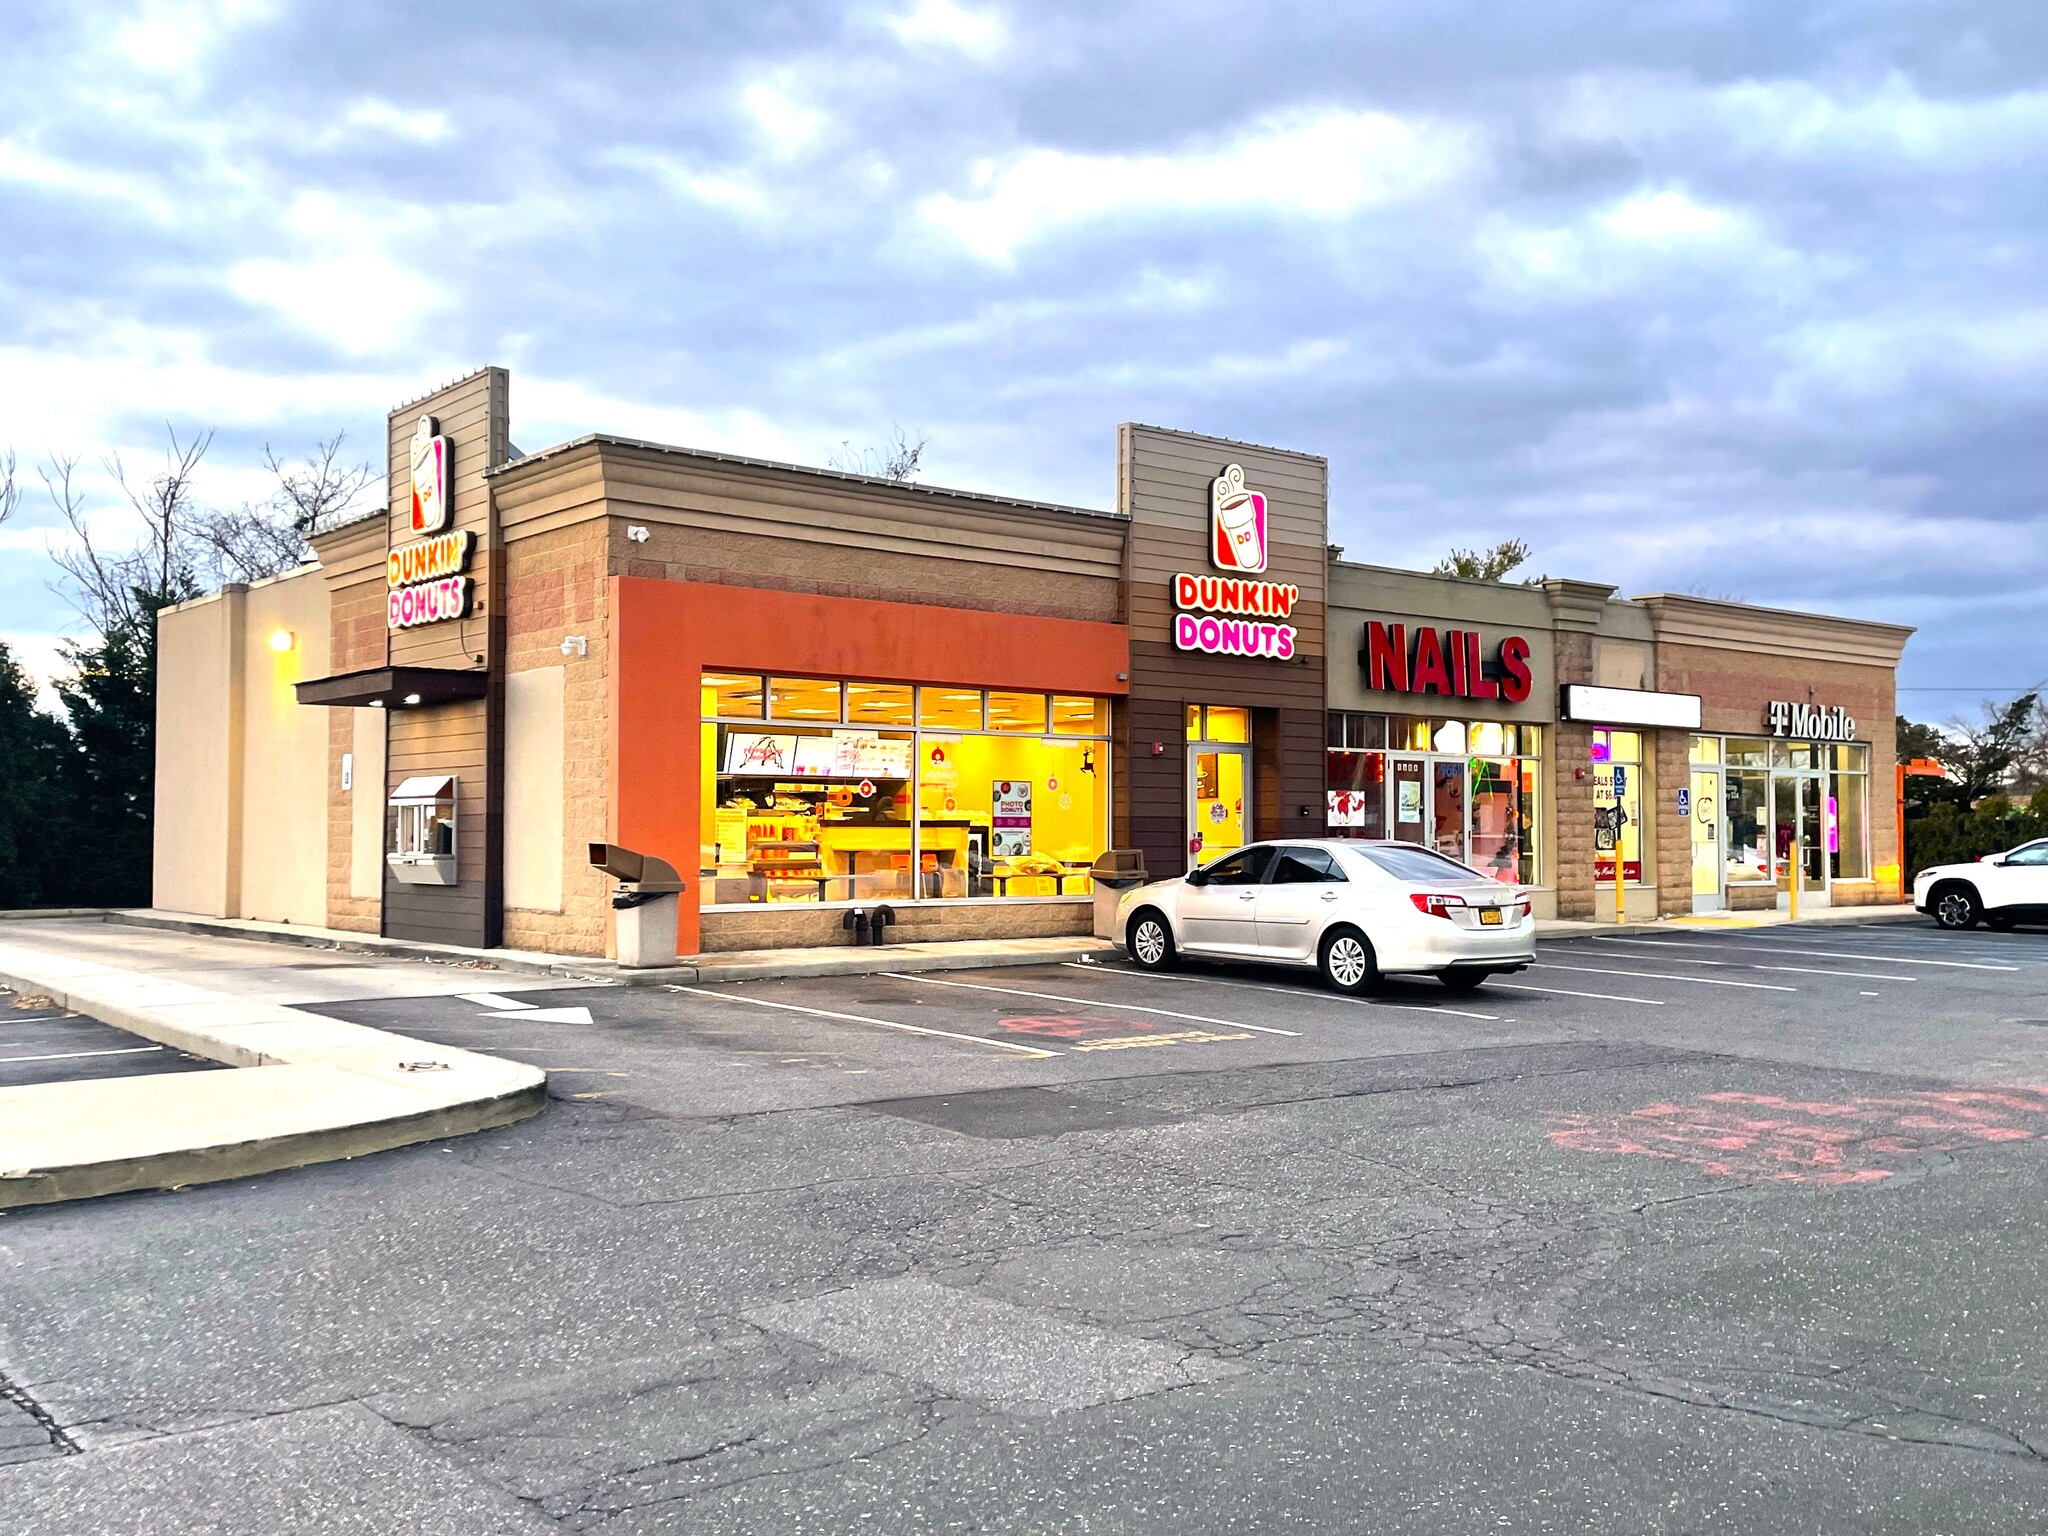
(1080, 717)
(1704, 749)
(1016, 712)
(1405, 733)
(1846, 824)
(1479, 807)
(802, 698)
(1226, 724)
(953, 709)
(1748, 754)
(840, 808)
(879, 704)
(731, 696)
(1748, 797)
(1617, 755)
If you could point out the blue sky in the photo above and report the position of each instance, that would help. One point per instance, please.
(1749, 300)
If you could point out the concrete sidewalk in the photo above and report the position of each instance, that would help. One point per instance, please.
(313, 1088)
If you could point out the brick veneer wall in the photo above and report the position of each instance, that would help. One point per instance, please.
(357, 631)
(555, 585)
(1670, 836)
(794, 927)
(1572, 744)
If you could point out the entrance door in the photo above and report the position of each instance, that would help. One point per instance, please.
(1798, 838)
(1447, 809)
(1704, 818)
(1219, 795)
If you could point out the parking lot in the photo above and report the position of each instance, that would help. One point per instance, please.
(42, 1043)
(1717, 1230)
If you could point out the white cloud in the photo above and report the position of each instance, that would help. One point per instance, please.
(168, 37)
(36, 651)
(25, 166)
(344, 287)
(978, 33)
(789, 124)
(554, 411)
(715, 189)
(1665, 216)
(416, 125)
(1323, 164)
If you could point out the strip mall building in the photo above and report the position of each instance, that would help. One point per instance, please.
(811, 691)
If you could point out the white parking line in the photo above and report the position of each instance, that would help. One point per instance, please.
(857, 1018)
(1255, 986)
(1812, 970)
(1605, 997)
(1671, 959)
(494, 1000)
(1803, 970)
(1093, 1002)
(36, 1018)
(1703, 981)
(128, 1050)
(1828, 954)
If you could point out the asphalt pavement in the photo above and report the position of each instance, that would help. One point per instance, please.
(42, 1043)
(1695, 1230)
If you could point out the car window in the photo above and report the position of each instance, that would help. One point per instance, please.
(1415, 863)
(1245, 867)
(2030, 853)
(1305, 866)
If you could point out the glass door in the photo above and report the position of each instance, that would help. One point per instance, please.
(1447, 808)
(1219, 785)
(1704, 818)
(1798, 838)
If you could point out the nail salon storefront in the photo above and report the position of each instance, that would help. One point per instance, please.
(811, 692)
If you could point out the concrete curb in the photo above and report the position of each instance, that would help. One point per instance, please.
(312, 1090)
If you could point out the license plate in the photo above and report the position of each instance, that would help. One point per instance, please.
(1489, 917)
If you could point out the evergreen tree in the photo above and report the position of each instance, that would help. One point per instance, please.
(35, 753)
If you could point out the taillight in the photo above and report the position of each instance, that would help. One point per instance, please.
(1435, 906)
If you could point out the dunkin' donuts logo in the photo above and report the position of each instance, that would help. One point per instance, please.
(430, 507)
(1237, 523)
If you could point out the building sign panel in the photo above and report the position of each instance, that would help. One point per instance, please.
(1237, 524)
(1811, 722)
(1207, 619)
(1450, 663)
(1630, 706)
(430, 455)
(426, 580)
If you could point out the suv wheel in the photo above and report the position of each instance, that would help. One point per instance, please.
(1347, 961)
(1955, 906)
(1150, 941)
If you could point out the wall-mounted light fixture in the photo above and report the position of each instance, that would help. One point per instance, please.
(376, 703)
(282, 640)
(636, 533)
(412, 698)
(575, 645)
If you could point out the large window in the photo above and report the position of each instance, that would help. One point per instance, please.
(1467, 789)
(1617, 762)
(1847, 820)
(824, 790)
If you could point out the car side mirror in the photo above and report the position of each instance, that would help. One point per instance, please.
(1197, 877)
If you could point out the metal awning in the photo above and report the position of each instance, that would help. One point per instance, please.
(395, 687)
(424, 790)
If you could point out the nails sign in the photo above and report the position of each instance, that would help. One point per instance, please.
(1806, 1141)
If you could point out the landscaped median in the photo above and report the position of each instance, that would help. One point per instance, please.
(312, 1089)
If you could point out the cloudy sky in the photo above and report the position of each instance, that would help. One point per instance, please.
(1747, 300)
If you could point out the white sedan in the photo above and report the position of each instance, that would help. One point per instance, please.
(1355, 910)
(1998, 890)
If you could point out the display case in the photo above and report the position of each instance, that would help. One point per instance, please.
(423, 847)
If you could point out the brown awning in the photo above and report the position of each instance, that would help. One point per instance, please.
(395, 687)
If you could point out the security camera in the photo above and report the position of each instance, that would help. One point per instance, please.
(636, 533)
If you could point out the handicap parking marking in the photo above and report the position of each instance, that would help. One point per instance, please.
(1294, 992)
(1703, 981)
(1094, 1002)
(1081, 1033)
(858, 1018)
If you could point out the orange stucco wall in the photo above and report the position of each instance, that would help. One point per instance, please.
(664, 633)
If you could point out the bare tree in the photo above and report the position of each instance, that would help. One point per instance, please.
(269, 538)
(900, 459)
(119, 592)
(1495, 564)
(10, 491)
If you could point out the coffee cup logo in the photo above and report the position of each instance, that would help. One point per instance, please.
(1237, 524)
(429, 477)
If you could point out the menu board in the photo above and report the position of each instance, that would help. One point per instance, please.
(840, 755)
(1011, 818)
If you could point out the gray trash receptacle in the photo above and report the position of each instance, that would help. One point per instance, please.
(645, 908)
(1113, 874)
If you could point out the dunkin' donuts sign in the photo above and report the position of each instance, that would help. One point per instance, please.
(426, 580)
(1229, 615)
(1237, 524)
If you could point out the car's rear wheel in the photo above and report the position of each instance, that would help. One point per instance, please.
(1150, 941)
(1955, 906)
(1464, 981)
(1347, 962)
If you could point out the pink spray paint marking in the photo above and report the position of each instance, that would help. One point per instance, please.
(1808, 1141)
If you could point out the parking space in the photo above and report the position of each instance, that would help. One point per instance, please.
(763, 1045)
(42, 1043)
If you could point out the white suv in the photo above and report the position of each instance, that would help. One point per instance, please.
(1998, 890)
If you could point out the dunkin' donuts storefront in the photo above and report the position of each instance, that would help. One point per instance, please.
(813, 693)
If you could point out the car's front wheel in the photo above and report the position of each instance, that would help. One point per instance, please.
(1955, 906)
(1150, 941)
(1347, 962)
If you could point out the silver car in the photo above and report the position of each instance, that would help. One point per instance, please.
(1355, 910)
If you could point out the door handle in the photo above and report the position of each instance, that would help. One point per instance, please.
(1329, 895)
(1249, 896)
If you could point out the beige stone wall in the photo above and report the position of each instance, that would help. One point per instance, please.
(356, 629)
(241, 766)
(555, 586)
(1670, 842)
(802, 927)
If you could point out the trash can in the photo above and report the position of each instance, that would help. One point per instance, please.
(645, 906)
(1114, 873)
